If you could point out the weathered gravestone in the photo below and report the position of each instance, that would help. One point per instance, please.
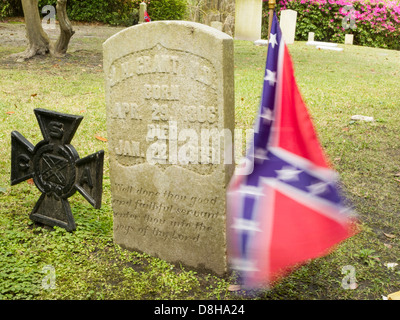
(56, 168)
(170, 103)
(217, 25)
(287, 23)
(142, 12)
(348, 38)
(248, 16)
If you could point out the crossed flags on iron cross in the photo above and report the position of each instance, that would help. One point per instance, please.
(56, 169)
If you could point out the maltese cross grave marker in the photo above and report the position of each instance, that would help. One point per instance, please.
(56, 168)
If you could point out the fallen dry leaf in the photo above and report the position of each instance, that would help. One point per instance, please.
(33, 94)
(30, 181)
(388, 245)
(100, 138)
(391, 265)
(391, 236)
(10, 112)
(394, 296)
(234, 287)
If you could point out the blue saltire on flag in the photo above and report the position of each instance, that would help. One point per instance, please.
(146, 17)
(284, 205)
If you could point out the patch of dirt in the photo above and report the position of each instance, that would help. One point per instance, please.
(85, 46)
(12, 35)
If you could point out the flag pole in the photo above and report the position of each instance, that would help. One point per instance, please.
(271, 7)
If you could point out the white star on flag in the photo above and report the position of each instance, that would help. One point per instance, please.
(267, 115)
(260, 154)
(288, 173)
(270, 77)
(272, 40)
(245, 265)
(251, 191)
(245, 224)
(318, 188)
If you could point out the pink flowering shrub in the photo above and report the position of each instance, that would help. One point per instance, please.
(377, 23)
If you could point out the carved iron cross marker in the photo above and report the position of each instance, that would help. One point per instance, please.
(56, 168)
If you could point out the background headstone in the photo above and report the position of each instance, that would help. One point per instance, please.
(142, 10)
(217, 25)
(348, 39)
(248, 15)
(311, 36)
(287, 23)
(164, 95)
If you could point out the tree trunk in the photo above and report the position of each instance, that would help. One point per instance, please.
(66, 32)
(39, 43)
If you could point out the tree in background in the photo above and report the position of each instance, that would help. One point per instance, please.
(39, 42)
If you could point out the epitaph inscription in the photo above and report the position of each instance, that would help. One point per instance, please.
(170, 109)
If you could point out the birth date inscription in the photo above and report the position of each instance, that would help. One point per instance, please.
(157, 96)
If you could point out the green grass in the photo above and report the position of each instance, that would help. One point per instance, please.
(88, 265)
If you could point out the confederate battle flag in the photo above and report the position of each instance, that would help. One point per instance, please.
(284, 205)
(146, 17)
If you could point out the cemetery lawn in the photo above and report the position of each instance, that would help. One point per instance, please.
(88, 265)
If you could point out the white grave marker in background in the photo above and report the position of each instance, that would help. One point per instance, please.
(288, 25)
(248, 15)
